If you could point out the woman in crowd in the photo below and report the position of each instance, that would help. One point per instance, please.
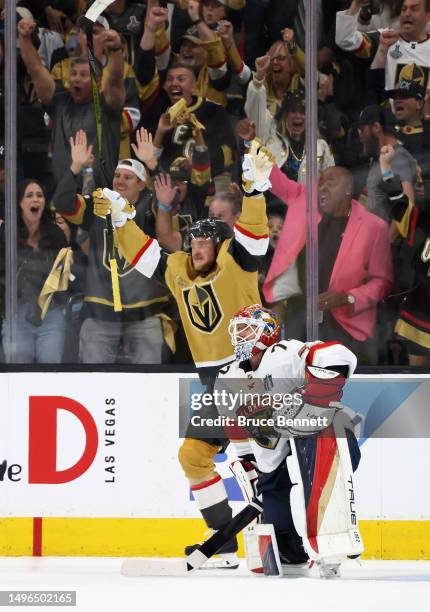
(276, 73)
(38, 340)
(284, 133)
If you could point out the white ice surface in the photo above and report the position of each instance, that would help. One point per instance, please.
(391, 586)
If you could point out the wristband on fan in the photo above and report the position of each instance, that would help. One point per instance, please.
(164, 207)
(258, 81)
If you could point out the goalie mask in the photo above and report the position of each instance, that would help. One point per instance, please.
(253, 329)
(210, 229)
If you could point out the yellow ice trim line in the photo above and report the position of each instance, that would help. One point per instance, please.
(126, 537)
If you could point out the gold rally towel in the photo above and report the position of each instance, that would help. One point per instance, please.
(57, 280)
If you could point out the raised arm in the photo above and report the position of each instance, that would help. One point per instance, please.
(288, 36)
(154, 37)
(234, 60)
(284, 188)
(386, 39)
(251, 232)
(169, 238)
(403, 211)
(256, 100)
(75, 207)
(114, 90)
(43, 82)
(348, 37)
(212, 43)
(201, 172)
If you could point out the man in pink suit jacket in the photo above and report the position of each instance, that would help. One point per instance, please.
(362, 273)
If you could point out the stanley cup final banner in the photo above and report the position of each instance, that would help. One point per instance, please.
(105, 445)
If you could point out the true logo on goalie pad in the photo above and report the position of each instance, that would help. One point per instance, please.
(352, 502)
(322, 373)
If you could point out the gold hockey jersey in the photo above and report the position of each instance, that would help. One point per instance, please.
(207, 302)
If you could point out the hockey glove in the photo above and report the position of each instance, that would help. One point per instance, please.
(322, 386)
(321, 394)
(106, 201)
(257, 166)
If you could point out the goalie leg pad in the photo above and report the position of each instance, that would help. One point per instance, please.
(322, 498)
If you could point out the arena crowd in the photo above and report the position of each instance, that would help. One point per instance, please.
(159, 103)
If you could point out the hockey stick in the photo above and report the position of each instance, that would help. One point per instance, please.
(86, 23)
(184, 567)
(97, 8)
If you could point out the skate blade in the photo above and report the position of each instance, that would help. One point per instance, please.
(155, 567)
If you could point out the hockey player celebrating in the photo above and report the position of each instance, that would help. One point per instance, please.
(305, 471)
(210, 282)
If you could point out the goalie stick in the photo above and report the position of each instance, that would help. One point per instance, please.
(191, 563)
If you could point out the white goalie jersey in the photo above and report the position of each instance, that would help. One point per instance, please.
(257, 398)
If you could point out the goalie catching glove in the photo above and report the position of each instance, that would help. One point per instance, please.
(106, 201)
(257, 166)
(321, 394)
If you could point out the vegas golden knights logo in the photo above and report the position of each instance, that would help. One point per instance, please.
(203, 308)
(124, 267)
(412, 72)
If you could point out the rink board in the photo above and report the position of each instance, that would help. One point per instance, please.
(92, 466)
(123, 537)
